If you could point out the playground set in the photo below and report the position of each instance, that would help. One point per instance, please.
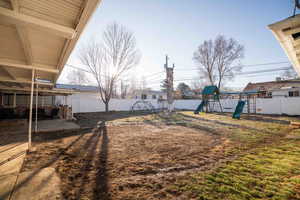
(211, 97)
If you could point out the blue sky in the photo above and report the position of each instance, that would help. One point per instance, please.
(177, 27)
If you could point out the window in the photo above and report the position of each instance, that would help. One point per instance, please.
(153, 96)
(8, 99)
(144, 96)
(262, 94)
(293, 93)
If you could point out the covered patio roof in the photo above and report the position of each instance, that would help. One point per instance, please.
(287, 33)
(39, 36)
(8, 87)
(36, 40)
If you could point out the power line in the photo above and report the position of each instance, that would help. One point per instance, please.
(154, 74)
(245, 73)
(263, 71)
(252, 65)
(242, 73)
(191, 79)
(183, 69)
(154, 79)
(257, 75)
(78, 68)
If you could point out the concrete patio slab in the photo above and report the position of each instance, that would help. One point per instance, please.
(6, 186)
(11, 160)
(41, 184)
(13, 166)
(12, 151)
(37, 185)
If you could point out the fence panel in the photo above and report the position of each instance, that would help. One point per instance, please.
(92, 103)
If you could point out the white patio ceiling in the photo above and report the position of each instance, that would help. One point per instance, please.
(287, 33)
(39, 35)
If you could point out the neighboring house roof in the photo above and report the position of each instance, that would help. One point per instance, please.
(272, 85)
(151, 92)
(82, 88)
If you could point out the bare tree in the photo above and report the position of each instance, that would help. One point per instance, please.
(143, 85)
(289, 74)
(124, 89)
(110, 59)
(216, 59)
(198, 84)
(77, 77)
(133, 86)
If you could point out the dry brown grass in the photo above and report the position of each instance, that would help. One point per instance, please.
(143, 161)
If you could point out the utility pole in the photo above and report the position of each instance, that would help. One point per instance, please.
(169, 82)
(297, 5)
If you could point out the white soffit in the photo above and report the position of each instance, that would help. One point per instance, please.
(40, 35)
(287, 32)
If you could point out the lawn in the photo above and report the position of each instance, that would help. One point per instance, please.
(270, 172)
(177, 156)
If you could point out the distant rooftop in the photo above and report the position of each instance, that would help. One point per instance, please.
(150, 91)
(83, 88)
(272, 85)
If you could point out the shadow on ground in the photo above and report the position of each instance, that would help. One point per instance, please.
(91, 119)
(81, 165)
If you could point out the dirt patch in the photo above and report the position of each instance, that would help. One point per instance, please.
(99, 164)
(90, 120)
(139, 160)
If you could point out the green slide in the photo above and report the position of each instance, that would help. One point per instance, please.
(238, 110)
(200, 107)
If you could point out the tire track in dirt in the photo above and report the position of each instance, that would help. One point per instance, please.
(74, 176)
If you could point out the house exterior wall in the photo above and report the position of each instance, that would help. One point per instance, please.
(24, 100)
(284, 93)
(279, 93)
(150, 94)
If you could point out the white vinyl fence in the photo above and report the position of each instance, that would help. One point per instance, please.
(91, 103)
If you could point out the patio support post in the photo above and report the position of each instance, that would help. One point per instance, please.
(15, 100)
(71, 107)
(36, 106)
(65, 108)
(30, 109)
(43, 100)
